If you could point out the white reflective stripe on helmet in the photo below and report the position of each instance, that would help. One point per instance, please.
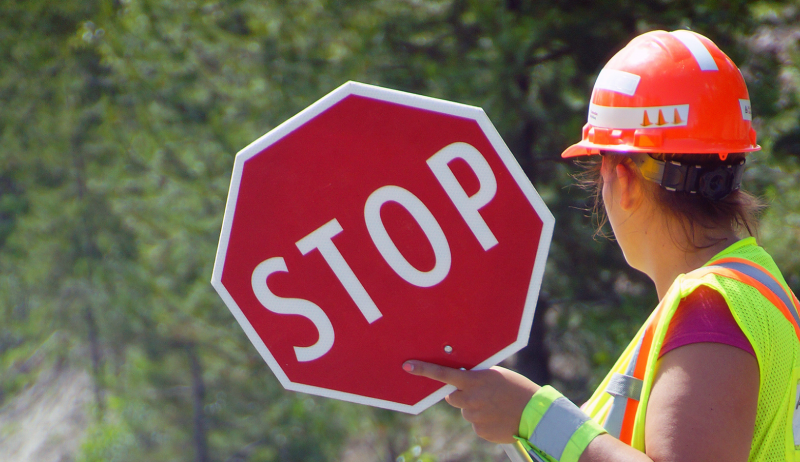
(747, 111)
(638, 117)
(697, 49)
(618, 81)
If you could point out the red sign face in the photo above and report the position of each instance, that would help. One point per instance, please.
(376, 227)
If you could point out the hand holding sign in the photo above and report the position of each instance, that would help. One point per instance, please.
(491, 400)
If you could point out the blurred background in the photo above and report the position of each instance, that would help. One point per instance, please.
(119, 122)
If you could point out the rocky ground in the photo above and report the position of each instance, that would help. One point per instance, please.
(46, 421)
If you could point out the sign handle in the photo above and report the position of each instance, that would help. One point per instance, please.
(516, 453)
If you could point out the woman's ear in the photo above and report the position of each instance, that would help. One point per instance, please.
(630, 187)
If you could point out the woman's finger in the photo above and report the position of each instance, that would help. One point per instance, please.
(448, 375)
(457, 399)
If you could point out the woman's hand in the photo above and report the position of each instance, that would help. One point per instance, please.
(492, 400)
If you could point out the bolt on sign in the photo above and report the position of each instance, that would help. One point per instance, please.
(378, 226)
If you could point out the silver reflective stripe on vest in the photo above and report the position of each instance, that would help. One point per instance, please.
(556, 427)
(765, 279)
(616, 414)
(625, 386)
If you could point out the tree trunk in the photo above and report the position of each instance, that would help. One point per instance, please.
(532, 361)
(87, 249)
(97, 359)
(198, 398)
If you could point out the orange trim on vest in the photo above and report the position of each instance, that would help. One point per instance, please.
(768, 294)
(626, 432)
(760, 268)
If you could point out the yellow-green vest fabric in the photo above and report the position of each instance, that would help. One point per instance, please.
(772, 336)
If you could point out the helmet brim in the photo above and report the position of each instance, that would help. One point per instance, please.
(581, 149)
(576, 150)
(585, 148)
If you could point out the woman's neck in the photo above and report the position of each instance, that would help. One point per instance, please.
(673, 254)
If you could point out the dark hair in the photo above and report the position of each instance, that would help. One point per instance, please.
(739, 210)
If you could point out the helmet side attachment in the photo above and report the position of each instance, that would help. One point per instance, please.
(714, 182)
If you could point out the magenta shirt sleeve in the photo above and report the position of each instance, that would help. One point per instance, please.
(704, 317)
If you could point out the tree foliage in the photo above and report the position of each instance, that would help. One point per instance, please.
(119, 124)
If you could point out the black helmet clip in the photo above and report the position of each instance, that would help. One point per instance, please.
(714, 182)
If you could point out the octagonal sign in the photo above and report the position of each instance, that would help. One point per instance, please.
(378, 226)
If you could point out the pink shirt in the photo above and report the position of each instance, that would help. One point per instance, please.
(704, 317)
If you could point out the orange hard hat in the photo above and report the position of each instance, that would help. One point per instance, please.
(669, 92)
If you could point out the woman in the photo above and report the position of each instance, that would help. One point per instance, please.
(713, 374)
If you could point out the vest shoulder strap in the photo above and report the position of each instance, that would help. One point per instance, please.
(756, 276)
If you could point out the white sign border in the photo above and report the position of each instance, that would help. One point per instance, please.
(406, 99)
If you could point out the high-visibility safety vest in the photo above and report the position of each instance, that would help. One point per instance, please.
(767, 312)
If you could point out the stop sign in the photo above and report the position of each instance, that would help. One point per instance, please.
(378, 226)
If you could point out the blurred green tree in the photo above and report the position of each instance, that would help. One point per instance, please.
(119, 124)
